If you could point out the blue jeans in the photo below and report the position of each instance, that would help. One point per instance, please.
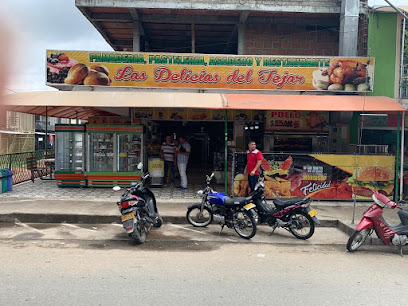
(169, 165)
(252, 180)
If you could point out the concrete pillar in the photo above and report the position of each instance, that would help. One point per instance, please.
(241, 38)
(349, 27)
(136, 36)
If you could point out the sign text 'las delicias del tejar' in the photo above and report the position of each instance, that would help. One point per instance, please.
(235, 72)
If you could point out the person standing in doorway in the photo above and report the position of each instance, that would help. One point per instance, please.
(168, 152)
(183, 153)
(254, 160)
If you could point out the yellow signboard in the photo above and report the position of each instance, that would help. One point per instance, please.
(200, 71)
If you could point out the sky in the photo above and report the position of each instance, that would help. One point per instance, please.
(37, 25)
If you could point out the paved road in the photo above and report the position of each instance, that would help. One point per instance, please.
(106, 233)
(78, 272)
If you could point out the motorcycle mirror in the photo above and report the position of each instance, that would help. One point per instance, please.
(133, 184)
(116, 188)
(140, 166)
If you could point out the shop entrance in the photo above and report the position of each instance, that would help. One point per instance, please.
(206, 140)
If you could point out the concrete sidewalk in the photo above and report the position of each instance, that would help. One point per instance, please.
(53, 210)
(41, 202)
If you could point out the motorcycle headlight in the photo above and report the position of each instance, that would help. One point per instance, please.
(200, 193)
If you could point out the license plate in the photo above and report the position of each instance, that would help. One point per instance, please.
(128, 216)
(312, 213)
(249, 206)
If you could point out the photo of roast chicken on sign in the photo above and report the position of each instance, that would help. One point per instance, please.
(344, 75)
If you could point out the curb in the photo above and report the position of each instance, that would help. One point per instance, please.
(109, 219)
(105, 219)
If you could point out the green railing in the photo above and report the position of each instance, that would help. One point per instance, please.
(17, 163)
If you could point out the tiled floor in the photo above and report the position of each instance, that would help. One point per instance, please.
(49, 189)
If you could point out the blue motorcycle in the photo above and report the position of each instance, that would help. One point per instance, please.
(238, 213)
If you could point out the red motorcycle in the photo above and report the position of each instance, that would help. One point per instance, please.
(373, 220)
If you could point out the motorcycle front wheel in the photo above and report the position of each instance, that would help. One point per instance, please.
(302, 225)
(357, 239)
(199, 218)
(139, 233)
(244, 224)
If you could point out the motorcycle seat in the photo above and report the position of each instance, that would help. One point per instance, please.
(400, 229)
(236, 201)
(287, 202)
(265, 208)
(403, 215)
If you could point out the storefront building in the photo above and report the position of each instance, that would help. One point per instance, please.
(293, 95)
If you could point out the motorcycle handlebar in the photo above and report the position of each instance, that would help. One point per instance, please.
(384, 199)
(209, 178)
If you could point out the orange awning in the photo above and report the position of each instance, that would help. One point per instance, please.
(313, 103)
(85, 104)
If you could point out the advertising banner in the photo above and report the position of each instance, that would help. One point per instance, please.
(196, 114)
(296, 120)
(155, 167)
(320, 176)
(382, 121)
(173, 70)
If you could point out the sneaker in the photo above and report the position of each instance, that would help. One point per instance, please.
(181, 188)
(164, 185)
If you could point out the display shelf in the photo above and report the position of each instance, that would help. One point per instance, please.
(69, 157)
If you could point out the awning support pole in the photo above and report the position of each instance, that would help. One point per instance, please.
(401, 195)
(397, 158)
(226, 152)
(46, 129)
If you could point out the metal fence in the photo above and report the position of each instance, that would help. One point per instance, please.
(17, 163)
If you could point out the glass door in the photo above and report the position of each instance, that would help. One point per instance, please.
(101, 152)
(77, 157)
(128, 152)
(63, 152)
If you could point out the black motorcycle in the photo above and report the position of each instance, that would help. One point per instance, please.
(138, 208)
(294, 215)
(237, 213)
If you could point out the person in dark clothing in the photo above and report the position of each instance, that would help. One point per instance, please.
(168, 152)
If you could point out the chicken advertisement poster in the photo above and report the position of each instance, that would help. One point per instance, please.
(208, 71)
(320, 176)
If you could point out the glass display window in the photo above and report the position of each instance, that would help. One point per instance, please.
(129, 152)
(101, 152)
(69, 149)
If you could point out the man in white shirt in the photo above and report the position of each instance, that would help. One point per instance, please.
(183, 153)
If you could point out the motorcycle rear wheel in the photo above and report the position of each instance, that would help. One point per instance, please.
(357, 239)
(199, 218)
(139, 234)
(302, 226)
(244, 224)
